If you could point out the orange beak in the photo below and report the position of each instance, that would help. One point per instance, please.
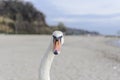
(57, 47)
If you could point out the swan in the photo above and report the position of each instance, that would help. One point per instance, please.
(54, 49)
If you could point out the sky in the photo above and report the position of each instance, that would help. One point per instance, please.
(93, 15)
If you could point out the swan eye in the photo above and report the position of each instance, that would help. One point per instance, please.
(60, 37)
(57, 38)
(54, 37)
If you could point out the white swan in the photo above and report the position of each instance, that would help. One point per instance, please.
(54, 48)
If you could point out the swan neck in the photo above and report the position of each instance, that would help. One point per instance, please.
(46, 65)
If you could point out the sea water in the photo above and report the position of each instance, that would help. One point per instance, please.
(117, 43)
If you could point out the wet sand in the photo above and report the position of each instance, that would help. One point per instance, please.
(82, 58)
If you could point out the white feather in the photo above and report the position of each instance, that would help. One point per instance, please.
(48, 58)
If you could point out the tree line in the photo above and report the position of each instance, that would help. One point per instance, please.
(17, 16)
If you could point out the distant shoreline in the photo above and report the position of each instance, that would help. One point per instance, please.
(116, 43)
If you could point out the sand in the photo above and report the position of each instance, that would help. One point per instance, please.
(82, 58)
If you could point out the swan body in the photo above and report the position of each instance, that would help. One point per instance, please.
(54, 49)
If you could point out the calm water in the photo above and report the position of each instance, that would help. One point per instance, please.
(117, 43)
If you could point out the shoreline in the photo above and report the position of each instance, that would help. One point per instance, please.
(115, 43)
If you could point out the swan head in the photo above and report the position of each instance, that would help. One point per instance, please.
(58, 40)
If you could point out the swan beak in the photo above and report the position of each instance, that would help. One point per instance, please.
(57, 47)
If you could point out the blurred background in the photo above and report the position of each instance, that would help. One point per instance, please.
(72, 17)
(94, 54)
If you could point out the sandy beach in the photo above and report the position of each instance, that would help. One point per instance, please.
(82, 58)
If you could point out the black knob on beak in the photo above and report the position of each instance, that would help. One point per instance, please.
(56, 39)
(55, 52)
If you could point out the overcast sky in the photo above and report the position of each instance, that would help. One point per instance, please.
(94, 15)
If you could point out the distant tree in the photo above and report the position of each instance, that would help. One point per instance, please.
(18, 22)
(11, 7)
(26, 18)
(61, 27)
